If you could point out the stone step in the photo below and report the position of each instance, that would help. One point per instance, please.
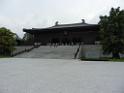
(51, 52)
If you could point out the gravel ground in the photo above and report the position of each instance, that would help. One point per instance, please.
(20, 75)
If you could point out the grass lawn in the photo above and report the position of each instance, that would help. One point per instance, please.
(103, 59)
(1, 56)
(117, 60)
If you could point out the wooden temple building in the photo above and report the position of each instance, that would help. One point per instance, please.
(75, 33)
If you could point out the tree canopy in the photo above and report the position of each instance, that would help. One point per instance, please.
(112, 32)
(7, 41)
(28, 38)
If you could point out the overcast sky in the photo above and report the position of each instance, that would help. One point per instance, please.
(19, 14)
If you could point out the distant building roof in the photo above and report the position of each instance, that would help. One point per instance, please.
(71, 25)
(63, 26)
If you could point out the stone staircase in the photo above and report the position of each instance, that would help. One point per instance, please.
(51, 52)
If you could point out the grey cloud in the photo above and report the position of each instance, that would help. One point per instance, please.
(17, 14)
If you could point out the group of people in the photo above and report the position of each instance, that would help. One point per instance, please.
(57, 42)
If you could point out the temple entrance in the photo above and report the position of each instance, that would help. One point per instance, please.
(64, 41)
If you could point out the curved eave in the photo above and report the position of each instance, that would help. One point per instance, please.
(52, 29)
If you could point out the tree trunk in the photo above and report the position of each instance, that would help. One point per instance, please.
(116, 55)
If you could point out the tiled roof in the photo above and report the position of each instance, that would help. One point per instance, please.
(72, 25)
(59, 26)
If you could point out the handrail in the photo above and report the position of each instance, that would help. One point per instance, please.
(75, 56)
(25, 50)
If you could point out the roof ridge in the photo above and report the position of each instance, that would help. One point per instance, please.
(70, 24)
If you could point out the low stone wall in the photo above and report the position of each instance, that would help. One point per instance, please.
(92, 51)
(21, 49)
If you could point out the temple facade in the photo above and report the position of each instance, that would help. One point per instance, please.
(68, 34)
(83, 34)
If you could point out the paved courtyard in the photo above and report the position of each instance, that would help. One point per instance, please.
(20, 75)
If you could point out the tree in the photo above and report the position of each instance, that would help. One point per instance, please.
(7, 41)
(28, 38)
(19, 41)
(112, 32)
